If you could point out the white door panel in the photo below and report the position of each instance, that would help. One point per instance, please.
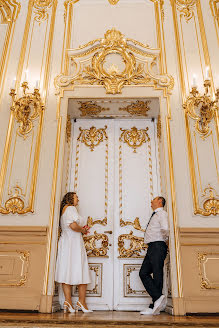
(115, 174)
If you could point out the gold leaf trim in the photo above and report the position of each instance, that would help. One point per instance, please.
(92, 137)
(91, 222)
(136, 246)
(139, 108)
(134, 137)
(90, 108)
(90, 245)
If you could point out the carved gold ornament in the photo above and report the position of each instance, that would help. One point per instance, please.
(205, 281)
(8, 12)
(26, 109)
(95, 287)
(128, 269)
(136, 224)
(139, 108)
(91, 247)
(90, 108)
(186, 8)
(158, 127)
(92, 137)
(113, 2)
(134, 137)
(42, 7)
(91, 222)
(136, 245)
(201, 108)
(111, 62)
(68, 129)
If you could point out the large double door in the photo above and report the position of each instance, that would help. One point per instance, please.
(115, 171)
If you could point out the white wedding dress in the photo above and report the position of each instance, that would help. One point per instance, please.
(72, 264)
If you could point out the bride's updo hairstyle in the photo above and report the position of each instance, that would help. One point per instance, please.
(68, 199)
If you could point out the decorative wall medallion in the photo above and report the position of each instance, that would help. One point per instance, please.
(135, 248)
(186, 8)
(91, 222)
(90, 108)
(130, 275)
(94, 64)
(95, 287)
(139, 108)
(136, 224)
(208, 264)
(134, 137)
(14, 268)
(91, 247)
(92, 137)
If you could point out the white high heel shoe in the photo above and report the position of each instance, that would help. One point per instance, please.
(68, 308)
(79, 306)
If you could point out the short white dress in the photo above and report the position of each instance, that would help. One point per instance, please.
(72, 264)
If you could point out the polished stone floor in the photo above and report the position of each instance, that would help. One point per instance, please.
(103, 319)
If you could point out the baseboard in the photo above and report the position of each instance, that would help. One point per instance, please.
(46, 304)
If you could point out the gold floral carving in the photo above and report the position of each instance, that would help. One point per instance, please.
(186, 8)
(26, 109)
(203, 258)
(136, 246)
(90, 108)
(8, 12)
(131, 71)
(134, 137)
(139, 108)
(91, 247)
(91, 222)
(92, 137)
(42, 7)
(136, 224)
(113, 2)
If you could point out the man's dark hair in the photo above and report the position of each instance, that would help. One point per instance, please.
(163, 200)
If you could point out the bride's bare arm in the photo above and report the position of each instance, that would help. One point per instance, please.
(76, 227)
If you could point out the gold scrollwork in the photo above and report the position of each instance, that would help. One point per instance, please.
(90, 245)
(92, 137)
(186, 8)
(68, 129)
(26, 109)
(90, 108)
(7, 12)
(42, 7)
(113, 2)
(136, 246)
(91, 222)
(139, 108)
(134, 137)
(131, 71)
(128, 290)
(201, 108)
(136, 224)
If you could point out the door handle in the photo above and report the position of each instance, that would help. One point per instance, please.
(109, 232)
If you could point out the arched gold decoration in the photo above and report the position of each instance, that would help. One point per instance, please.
(134, 137)
(136, 246)
(92, 137)
(139, 108)
(91, 247)
(126, 70)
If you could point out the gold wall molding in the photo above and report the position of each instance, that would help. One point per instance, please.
(41, 9)
(186, 8)
(68, 129)
(90, 108)
(91, 222)
(128, 290)
(132, 70)
(136, 224)
(202, 110)
(24, 111)
(205, 281)
(138, 108)
(136, 246)
(214, 4)
(91, 247)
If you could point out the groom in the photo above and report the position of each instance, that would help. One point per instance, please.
(156, 236)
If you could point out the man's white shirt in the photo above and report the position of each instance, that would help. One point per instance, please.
(158, 228)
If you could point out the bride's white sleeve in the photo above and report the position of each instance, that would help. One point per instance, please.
(71, 215)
